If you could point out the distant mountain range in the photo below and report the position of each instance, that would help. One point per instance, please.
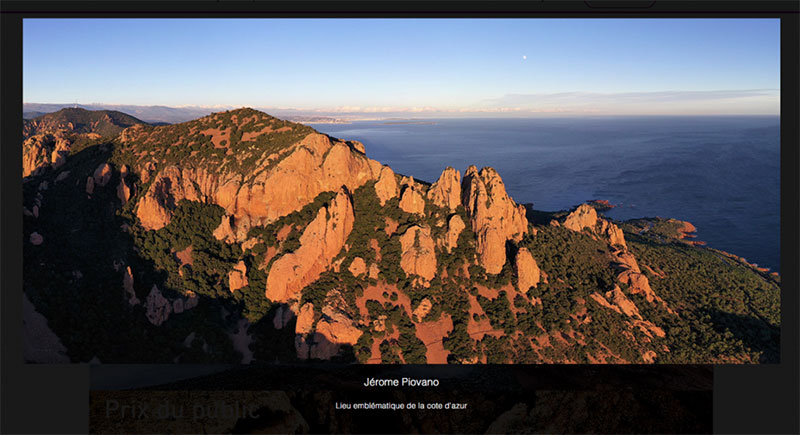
(173, 115)
(80, 121)
(149, 114)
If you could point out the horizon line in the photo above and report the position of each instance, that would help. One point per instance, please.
(374, 113)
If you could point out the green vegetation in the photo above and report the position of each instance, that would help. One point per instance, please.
(584, 266)
(390, 354)
(498, 310)
(252, 140)
(659, 229)
(726, 309)
(190, 227)
(106, 123)
(80, 289)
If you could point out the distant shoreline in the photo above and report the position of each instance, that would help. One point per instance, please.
(336, 121)
(409, 122)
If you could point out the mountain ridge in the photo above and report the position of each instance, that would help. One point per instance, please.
(327, 254)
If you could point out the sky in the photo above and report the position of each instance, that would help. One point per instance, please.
(433, 67)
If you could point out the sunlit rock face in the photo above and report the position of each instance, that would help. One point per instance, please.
(494, 216)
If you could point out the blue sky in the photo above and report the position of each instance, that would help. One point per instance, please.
(435, 66)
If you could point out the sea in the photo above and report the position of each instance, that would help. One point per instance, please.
(722, 174)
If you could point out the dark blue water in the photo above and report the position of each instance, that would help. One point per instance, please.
(720, 173)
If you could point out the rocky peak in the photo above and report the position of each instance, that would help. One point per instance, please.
(80, 121)
(454, 227)
(527, 270)
(158, 307)
(282, 181)
(494, 216)
(418, 256)
(335, 328)
(582, 217)
(446, 191)
(386, 186)
(127, 285)
(320, 242)
(102, 175)
(237, 277)
(613, 232)
(411, 201)
(44, 150)
(585, 216)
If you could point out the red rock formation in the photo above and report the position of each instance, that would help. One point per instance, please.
(386, 186)
(527, 270)
(626, 260)
(614, 234)
(320, 242)
(90, 185)
(224, 232)
(157, 306)
(686, 229)
(637, 282)
(446, 191)
(358, 267)
(411, 201)
(407, 180)
(356, 145)
(35, 155)
(374, 271)
(391, 226)
(603, 302)
(418, 256)
(585, 216)
(314, 165)
(623, 303)
(44, 150)
(422, 310)
(582, 217)
(649, 357)
(454, 227)
(127, 285)
(305, 319)
(494, 216)
(184, 256)
(237, 278)
(152, 214)
(336, 327)
(102, 174)
(123, 192)
(491, 249)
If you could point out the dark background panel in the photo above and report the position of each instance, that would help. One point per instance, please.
(55, 399)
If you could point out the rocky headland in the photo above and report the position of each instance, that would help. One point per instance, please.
(301, 247)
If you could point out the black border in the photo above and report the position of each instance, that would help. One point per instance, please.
(54, 399)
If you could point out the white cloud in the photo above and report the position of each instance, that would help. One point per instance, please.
(754, 101)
